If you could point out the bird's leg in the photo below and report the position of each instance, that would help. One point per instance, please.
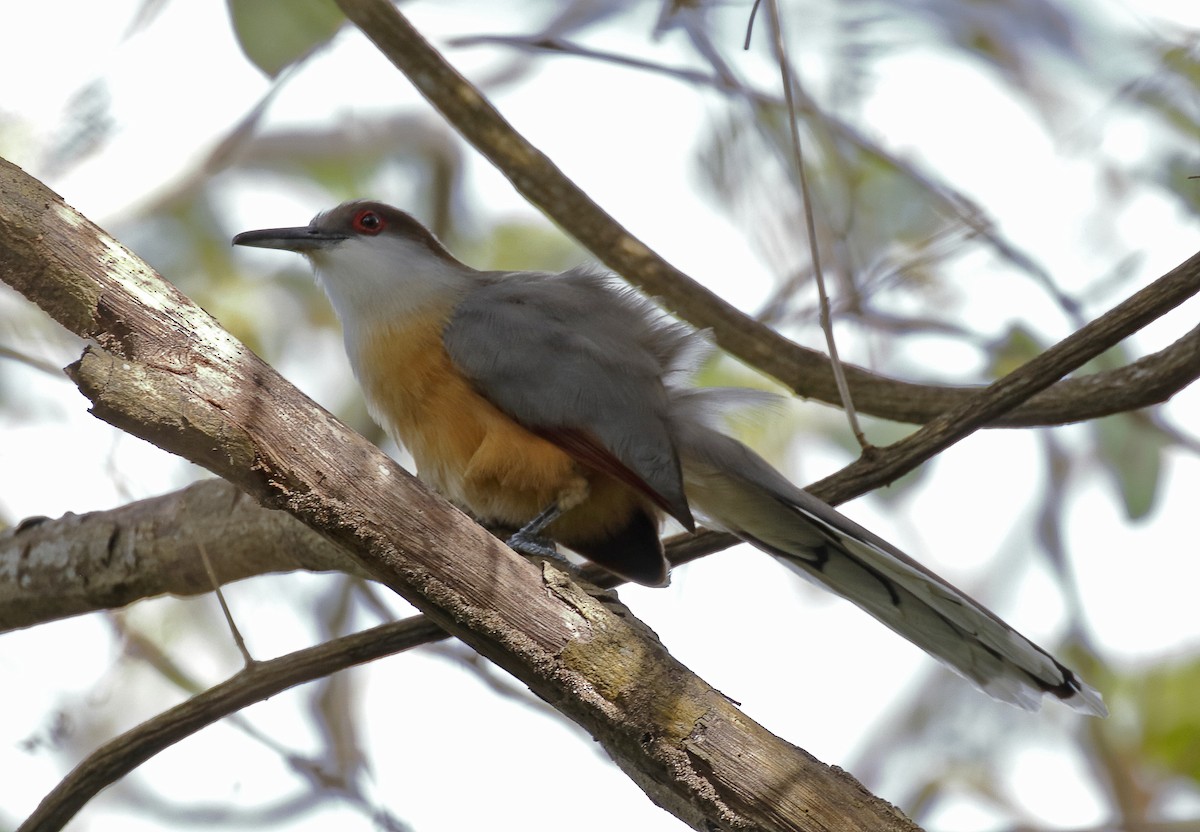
(529, 540)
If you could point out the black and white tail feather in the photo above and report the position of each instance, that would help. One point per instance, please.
(736, 490)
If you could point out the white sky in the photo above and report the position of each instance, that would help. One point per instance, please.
(834, 693)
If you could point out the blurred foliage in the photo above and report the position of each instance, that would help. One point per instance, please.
(89, 124)
(1016, 348)
(1130, 448)
(873, 212)
(276, 35)
(767, 422)
(1171, 92)
(524, 246)
(1165, 698)
(893, 233)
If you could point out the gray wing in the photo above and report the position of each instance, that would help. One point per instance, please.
(582, 364)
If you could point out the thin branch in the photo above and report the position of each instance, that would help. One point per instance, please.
(835, 362)
(262, 680)
(234, 630)
(562, 46)
(40, 364)
(803, 370)
(1072, 352)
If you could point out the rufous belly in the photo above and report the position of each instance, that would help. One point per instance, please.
(467, 449)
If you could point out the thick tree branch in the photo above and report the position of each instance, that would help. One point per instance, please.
(165, 371)
(1150, 381)
(52, 569)
(102, 560)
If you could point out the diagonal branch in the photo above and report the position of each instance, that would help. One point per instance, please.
(163, 370)
(1072, 352)
(807, 372)
(260, 681)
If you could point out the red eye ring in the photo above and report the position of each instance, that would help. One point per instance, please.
(367, 221)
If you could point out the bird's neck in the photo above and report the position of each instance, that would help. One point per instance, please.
(386, 281)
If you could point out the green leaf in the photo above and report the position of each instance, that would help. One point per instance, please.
(274, 35)
(1170, 712)
(1019, 346)
(525, 244)
(1131, 447)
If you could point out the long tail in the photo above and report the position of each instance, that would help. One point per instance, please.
(735, 489)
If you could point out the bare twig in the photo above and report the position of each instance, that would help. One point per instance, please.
(36, 363)
(839, 373)
(234, 631)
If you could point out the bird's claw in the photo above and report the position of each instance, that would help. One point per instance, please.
(534, 545)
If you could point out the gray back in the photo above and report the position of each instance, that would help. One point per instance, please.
(574, 355)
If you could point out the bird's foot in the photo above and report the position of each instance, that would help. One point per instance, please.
(535, 545)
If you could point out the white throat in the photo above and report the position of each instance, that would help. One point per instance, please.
(386, 278)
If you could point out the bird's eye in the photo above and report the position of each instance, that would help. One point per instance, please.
(368, 222)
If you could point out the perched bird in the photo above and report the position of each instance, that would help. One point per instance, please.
(557, 404)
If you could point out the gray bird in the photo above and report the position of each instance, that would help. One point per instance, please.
(557, 404)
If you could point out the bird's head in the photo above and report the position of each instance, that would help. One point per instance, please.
(371, 258)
